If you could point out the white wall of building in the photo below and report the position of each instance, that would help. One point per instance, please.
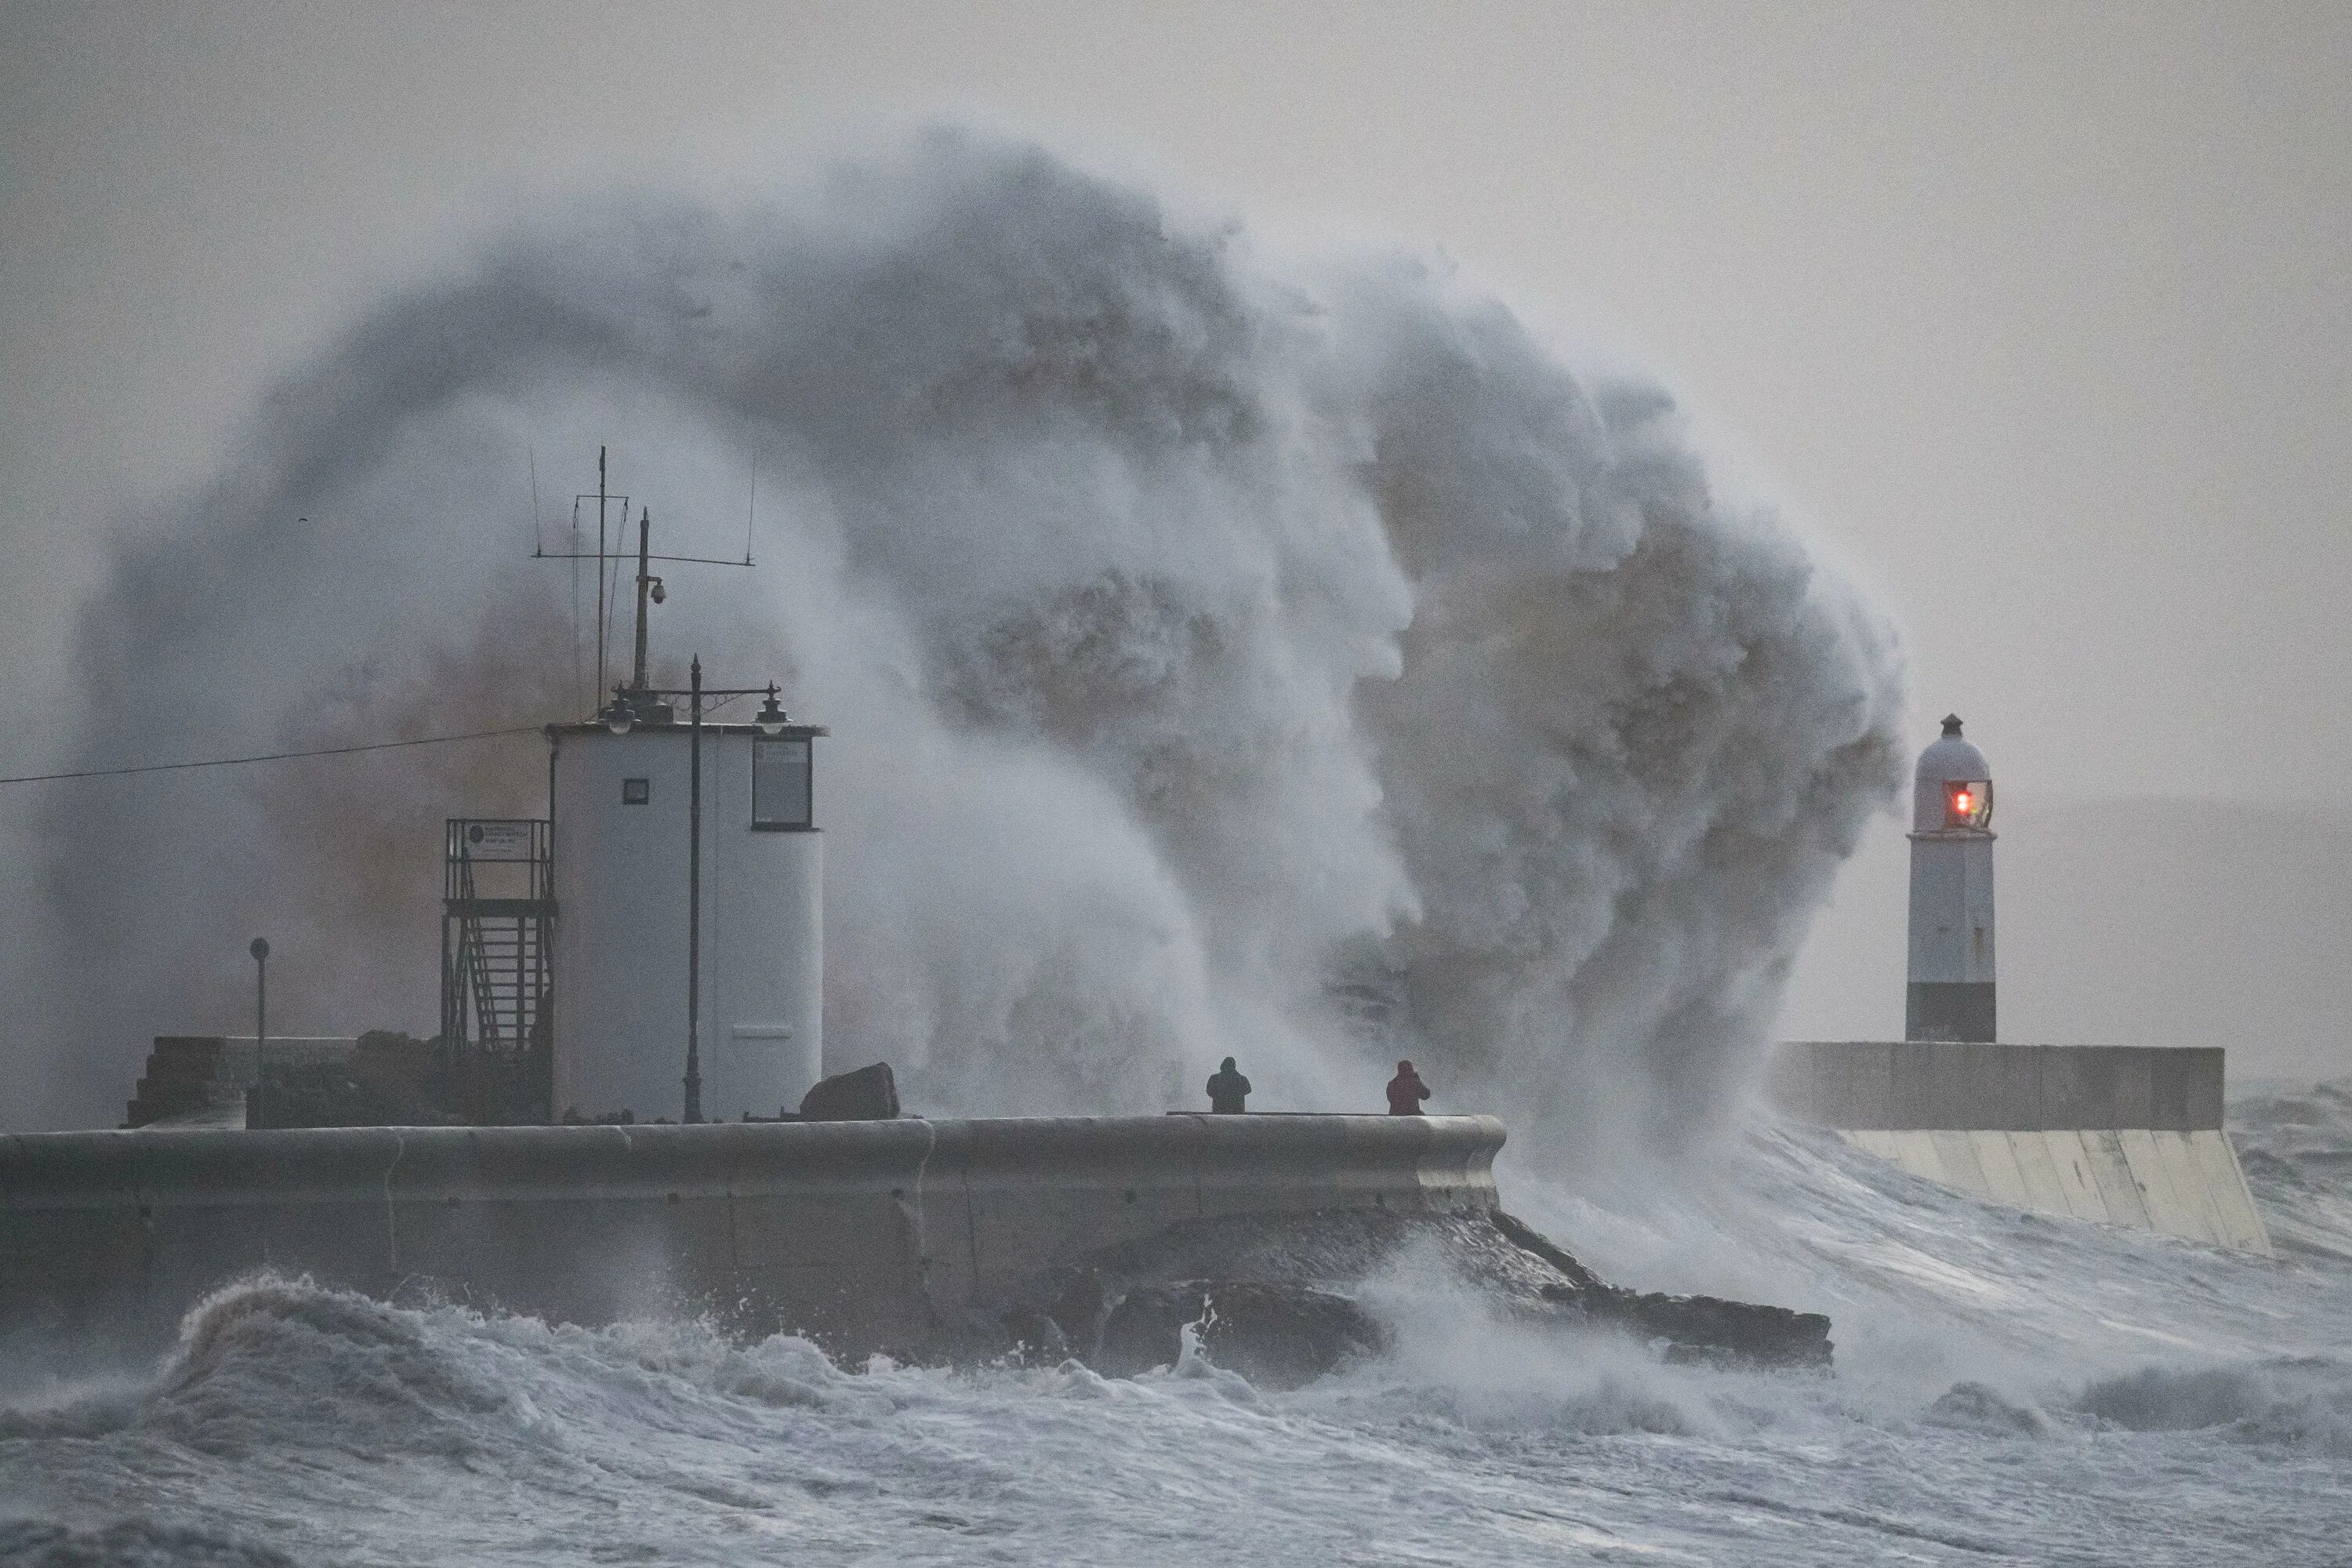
(621, 931)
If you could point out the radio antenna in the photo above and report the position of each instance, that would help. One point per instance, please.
(650, 588)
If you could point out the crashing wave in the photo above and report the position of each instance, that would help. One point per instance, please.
(1219, 654)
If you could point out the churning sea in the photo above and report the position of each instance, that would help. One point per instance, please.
(2009, 1388)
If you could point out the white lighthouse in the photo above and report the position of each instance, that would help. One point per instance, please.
(1950, 994)
(637, 966)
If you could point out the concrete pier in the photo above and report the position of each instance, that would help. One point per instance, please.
(2118, 1134)
(868, 1234)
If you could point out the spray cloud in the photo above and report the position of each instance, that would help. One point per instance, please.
(1309, 668)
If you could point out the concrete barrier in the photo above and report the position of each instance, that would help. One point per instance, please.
(866, 1234)
(2118, 1134)
(1928, 1084)
(2179, 1183)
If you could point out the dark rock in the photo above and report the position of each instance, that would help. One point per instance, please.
(1710, 1328)
(1525, 1237)
(1079, 1308)
(1037, 1338)
(1276, 1335)
(870, 1094)
(1274, 1296)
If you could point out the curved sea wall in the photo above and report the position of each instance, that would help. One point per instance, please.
(867, 1233)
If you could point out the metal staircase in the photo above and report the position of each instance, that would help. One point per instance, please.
(496, 980)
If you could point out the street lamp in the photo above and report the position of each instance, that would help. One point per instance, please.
(771, 715)
(694, 897)
(260, 951)
(771, 723)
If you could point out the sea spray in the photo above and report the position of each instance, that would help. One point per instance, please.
(1299, 663)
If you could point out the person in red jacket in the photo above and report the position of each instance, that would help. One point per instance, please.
(1406, 1091)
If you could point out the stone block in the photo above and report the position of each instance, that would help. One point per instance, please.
(869, 1094)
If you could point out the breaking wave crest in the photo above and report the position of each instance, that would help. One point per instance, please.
(1226, 653)
(130, 1544)
(2302, 1403)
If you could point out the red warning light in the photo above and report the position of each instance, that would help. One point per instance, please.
(1962, 802)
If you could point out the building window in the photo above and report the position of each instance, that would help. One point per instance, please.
(779, 782)
(636, 792)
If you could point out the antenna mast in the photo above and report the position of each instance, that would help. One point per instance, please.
(600, 569)
(644, 585)
(650, 590)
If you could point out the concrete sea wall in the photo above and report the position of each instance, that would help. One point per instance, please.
(867, 1233)
(2119, 1134)
(1898, 1084)
(2179, 1183)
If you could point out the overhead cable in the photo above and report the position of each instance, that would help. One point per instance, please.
(274, 756)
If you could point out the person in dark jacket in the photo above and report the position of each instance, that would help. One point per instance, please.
(1228, 1090)
(1406, 1091)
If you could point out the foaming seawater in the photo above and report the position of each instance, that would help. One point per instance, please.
(2304, 1403)
(130, 1543)
(2007, 1387)
(2294, 1142)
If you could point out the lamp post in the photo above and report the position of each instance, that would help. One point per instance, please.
(260, 951)
(693, 894)
(621, 719)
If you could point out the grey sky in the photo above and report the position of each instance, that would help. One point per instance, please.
(2038, 318)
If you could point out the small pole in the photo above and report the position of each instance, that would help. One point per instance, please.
(599, 566)
(260, 951)
(645, 582)
(693, 898)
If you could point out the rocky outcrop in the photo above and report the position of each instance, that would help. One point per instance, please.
(1282, 1300)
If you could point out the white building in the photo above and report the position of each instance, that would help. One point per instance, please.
(1950, 994)
(620, 795)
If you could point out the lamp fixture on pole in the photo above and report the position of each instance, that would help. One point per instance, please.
(771, 718)
(771, 722)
